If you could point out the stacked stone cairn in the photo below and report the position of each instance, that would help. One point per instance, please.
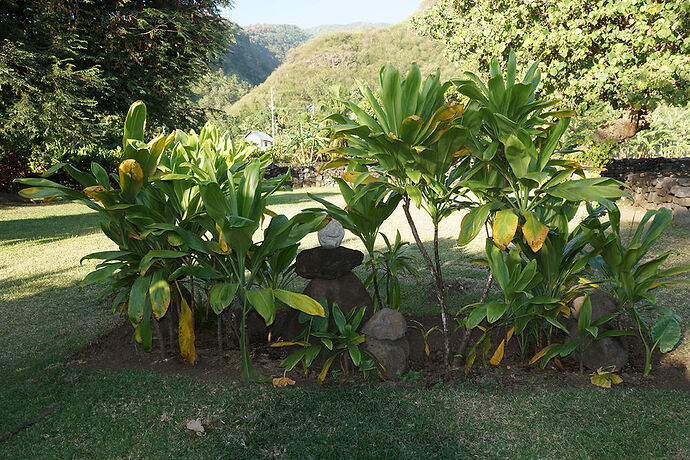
(329, 269)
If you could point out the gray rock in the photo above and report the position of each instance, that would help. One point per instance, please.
(609, 351)
(393, 355)
(386, 324)
(680, 191)
(327, 264)
(603, 304)
(681, 216)
(685, 202)
(331, 235)
(666, 183)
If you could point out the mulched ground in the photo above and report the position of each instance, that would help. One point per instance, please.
(116, 350)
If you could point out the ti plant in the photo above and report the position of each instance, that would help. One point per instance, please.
(368, 203)
(150, 253)
(525, 195)
(396, 261)
(635, 278)
(236, 203)
(318, 338)
(413, 141)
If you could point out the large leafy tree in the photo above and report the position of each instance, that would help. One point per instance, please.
(65, 64)
(631, 53)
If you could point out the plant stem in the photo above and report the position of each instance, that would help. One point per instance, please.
(161, 340)
(438, 281)
(485, 295)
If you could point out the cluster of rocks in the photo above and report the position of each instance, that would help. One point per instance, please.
(656, 183)
(306, 174)
(329, 269)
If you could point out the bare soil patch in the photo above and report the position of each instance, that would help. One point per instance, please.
(116, 350)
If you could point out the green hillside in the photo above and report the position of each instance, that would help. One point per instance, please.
(352, 27)
(259, 49)
(338, 59)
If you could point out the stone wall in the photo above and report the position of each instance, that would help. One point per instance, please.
(657, 182)
(306, 174)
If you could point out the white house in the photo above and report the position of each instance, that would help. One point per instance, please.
(263, 140)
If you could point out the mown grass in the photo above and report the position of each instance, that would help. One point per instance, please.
(113, 414)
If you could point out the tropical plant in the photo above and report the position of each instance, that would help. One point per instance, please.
(368, 203)
(151, 251)
(525, 196)
(634, 277)
(413, 141)
(396, 262)
(318, 338)
(236, 204)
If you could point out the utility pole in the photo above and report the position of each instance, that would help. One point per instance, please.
(273, 123)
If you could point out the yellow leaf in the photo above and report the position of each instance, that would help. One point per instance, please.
(289, 344)
(283, 382)
(541, 353)
(131, 178)
(498, 354)
(95, 192)
(510, 333)
(426, 349)
(186, 331)
(534, 232)
(504, 227)
(600, 381)
(565, 311)
(324, 371)
(352, 176)
(221, 241)
(133, 236)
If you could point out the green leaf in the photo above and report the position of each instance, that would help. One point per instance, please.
(494, 311)
(355, 354)
(137, 298)
(135, 123)
(585, 318)
(220, 296)
(262, 300)
(339, 319)
(666, 331)
(476, 316)
(473, 222)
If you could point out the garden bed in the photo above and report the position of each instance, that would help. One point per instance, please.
(116, 351)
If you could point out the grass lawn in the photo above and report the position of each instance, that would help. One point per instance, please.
(113, 414)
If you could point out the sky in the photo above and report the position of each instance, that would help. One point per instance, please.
(310, 13)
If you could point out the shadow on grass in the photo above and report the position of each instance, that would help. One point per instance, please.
(48, 228)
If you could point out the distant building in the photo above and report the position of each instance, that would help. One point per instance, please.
(263, 140)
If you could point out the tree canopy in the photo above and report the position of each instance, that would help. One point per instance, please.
(621, 51)
(67, 64)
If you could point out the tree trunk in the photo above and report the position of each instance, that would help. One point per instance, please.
(631, 121)
(435, 272)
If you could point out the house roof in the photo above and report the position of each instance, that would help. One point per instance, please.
(260, 135)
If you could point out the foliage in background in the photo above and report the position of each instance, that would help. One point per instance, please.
(330, 60)
(635, 51)
(668, 135)
(65, 65)
(396, 262)
(595, 154)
